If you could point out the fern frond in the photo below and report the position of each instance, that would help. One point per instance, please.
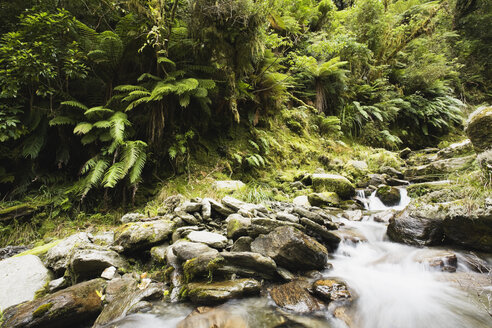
(82, 128)
(102, 124)
(137, 168)
(97, 111)
(138, 102)
(119, 121)
(129, 88)
(148, 76)
(62, 120)
(114, 174)
(75, 104)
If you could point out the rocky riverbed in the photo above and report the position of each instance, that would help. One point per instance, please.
(228, 263)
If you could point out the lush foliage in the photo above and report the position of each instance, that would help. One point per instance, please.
(107, 94)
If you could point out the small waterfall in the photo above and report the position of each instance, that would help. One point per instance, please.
(375, 204)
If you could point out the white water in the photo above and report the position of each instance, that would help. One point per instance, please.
(373, 203)
(393, 289)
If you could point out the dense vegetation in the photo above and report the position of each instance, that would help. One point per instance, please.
(99, 98)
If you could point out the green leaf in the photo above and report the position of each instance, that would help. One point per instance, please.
(82, 128)
(114, 174)
(75, 104)
(62, 120)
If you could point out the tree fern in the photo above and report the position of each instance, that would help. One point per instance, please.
(62, 120)
(98, 111)
(119, 121)
(137, 168)
(114, 174)
(75, 104)
(82, 128)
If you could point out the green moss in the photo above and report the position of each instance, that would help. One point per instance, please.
(188, 269)
(39, 250)
(42, 309)
(214, 265)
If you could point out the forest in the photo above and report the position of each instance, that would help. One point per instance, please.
(102, 102)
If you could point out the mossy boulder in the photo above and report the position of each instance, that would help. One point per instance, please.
(291, 249)
(437, 169)
(237, 226)
(140, 235)
(390, 196)
(69, 307)
(419, 189)
(333, 183)
(219, 292)
(479, 128)
(324, 199)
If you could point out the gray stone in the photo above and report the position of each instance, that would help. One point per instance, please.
(187, 218)
(58, 257)
(456, 149)
(292, 249)
(294, 296)
(435, 169)
(58, 284)
(238, 205)
(284, 216)
(140, 235)
(271, 224)
(390, 196)
(211, 239)
(191, 207)
(182, 232)
(316, 229)
(237, 226)
(90, 262)
(104, 238)
(218, 292)
(110, 273)
(391, 171)
(219, 208)
(301, 201)
(20, 278)
(131, 217)
(242, 244)
(247, 264)
(324, 199)
(185, 250)
(206, 209)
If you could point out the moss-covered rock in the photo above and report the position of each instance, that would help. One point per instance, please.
(419, 189)
(479, 128)
(219, 292)
(324, 199)
(390, 196)
(140, 235)
(333, 183)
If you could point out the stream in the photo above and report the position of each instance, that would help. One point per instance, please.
(394, 287)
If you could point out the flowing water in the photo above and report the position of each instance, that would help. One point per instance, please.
(394, 287)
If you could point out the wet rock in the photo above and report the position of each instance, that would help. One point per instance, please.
(316, 229)
(436, 169)
(467, 227)
(247, 264)
(228, 185)
(172, 202)
(238, 205)
(208, 317)
(20, 278)
(294, 296)
(421, 226)
(397, 182)
(158, 253)
(58, 257)
(131, 217)
(419, 189)
(331, 290)
(185, 250)
(242, 244)
(66, 308)
(211, 239)
(284, 216)
(182, 232)
(355, 215)
(127, 299)
(292, 249)
(324, 199)
(10, 251)
(218, 292)
(237, 226)
(478, 128)
(390, 196)
(438, 259)
(90, 262)
(206, 209)
(270, 224)
(191, 207)
(333, 183)
(404, 153)
(140, 235)
(301, 201)
(356, 169)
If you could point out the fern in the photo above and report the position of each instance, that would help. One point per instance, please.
(137, 168)
(119, 121)
(129, 88)
(98, 111)
(82, 128)
(114, 174)
(62, 120)
(74, 104)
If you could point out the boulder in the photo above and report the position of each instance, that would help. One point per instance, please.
(58, 257)
(294, 296)
(69, 307)
(185, 250)
(207, 317)
(242, 244)
(331, 290)
(456, 149)
(247, 264)
(417, 225)
(301, 201)
(333, 183)
(124, 297)
(356, 169)
(479, 128)
(390, 196)
(324, 199)
(218, 292)
(436, 169)
(158, 253)
(20, 278)
(9, 251)
(284, 216)
(292, 249)
(228, 185)
(237, 226)
(438, 259)
(131, 217)
(90, 262)
(140, 235)
(219, 208)
(211, 239)
(320, 231)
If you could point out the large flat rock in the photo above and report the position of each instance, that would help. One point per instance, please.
(20, 278)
